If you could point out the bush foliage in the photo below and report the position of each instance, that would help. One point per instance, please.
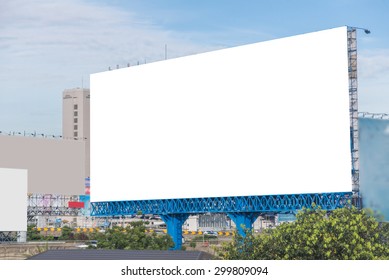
(133, 237)
(343, 234)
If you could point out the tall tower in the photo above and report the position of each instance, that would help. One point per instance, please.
(76, 119)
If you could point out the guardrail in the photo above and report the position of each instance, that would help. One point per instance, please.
(185, 232)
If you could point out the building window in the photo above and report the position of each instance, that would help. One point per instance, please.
(75, 106)
(75, 120)
(75, 113)
(75, 127)
(75, 134)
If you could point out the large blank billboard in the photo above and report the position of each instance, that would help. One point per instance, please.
(259, 119)
(13, 199)
(55, 166)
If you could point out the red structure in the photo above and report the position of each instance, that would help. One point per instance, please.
(76, 204)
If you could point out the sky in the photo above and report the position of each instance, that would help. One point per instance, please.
(47, 46)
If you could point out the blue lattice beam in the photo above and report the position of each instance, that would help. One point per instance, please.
(242, 209)
(261, 204)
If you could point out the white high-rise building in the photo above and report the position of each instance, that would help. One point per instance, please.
(76, 119)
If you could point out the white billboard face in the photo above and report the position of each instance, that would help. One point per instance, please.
(260, 119)
(13, 199)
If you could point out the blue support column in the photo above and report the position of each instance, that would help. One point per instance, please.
(174, 224)
(243, 220)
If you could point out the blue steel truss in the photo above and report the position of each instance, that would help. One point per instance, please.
(238, 204)
(243, 210)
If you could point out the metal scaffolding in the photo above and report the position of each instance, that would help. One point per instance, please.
(45, 205)
(353, 97)
(50, 205)
(8, 236)
(377, 116)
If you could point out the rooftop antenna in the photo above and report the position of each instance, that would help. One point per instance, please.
(82, 82)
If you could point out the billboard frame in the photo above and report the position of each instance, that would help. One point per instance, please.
(244, 210)
(353, 96)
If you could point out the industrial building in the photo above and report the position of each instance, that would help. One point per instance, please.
(57, 167)
(76, 119)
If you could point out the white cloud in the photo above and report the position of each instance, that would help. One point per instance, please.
(373, 80)
(47, 46)
(386, 131)
(82, 34)
(374, 63)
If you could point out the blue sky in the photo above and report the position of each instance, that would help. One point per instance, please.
(47, 46)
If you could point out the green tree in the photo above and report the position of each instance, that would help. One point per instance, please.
(67, 233)
(343, 234)
(33, 234)
(133, 237)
